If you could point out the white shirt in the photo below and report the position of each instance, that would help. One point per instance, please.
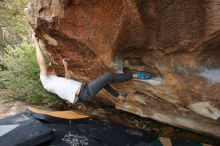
(63, 87)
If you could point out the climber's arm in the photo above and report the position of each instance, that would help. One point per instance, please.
(67, 73)
(40, 57)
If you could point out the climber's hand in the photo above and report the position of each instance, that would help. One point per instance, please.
(65, 62)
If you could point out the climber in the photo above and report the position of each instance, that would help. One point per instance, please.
(71, 90)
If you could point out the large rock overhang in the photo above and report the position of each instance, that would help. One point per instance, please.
(176, 40)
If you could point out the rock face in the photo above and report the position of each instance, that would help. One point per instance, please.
(179, 41)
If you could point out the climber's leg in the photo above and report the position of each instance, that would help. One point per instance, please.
(103, 81)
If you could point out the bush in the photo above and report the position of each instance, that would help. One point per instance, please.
(13, 17)
(22, 76)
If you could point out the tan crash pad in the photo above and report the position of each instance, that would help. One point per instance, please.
(59, 114)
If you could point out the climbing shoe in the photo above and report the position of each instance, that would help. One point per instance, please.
(124, 94)
(142, 75)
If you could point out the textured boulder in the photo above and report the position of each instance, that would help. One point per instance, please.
(176, 40)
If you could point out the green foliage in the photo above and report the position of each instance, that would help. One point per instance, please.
(12, 16)
(22, 75)
(2, 43)
(19, 72)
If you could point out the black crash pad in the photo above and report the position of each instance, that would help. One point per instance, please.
(22, 130)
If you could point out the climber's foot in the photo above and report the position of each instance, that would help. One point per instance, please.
(143, 75)
(121, 97)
